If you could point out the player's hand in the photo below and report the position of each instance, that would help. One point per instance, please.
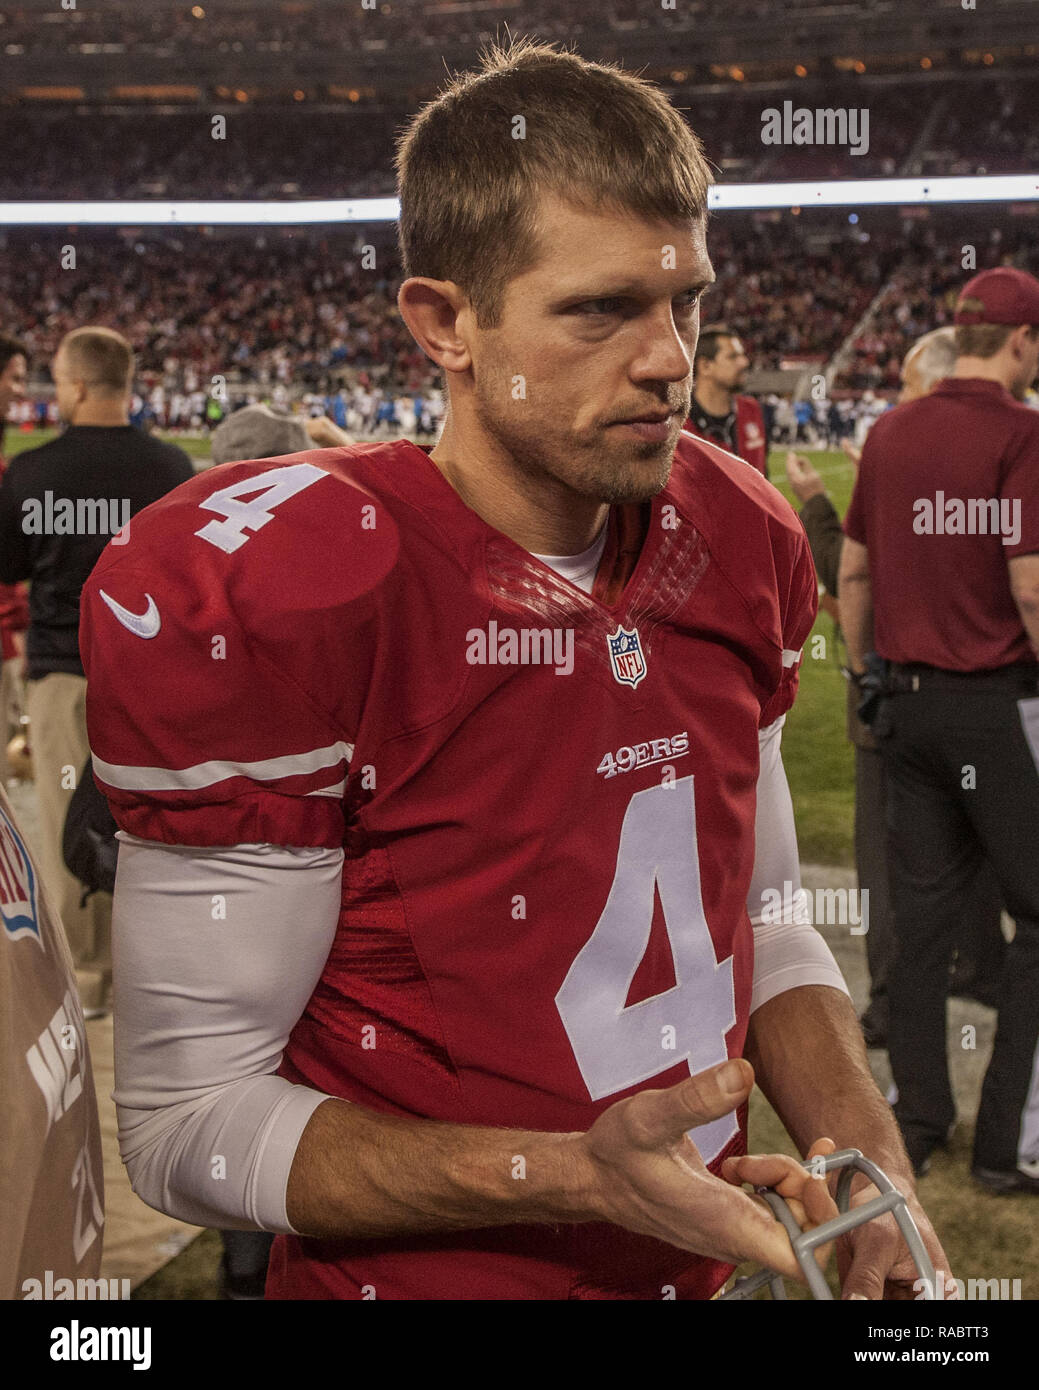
(804, 481)
(874, 1261)
(645, 1174)
(807, 1194)
(325, 433)
(853, 451)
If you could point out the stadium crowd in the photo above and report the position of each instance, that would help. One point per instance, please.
(252, 310)
(290, 152)
(320, 151)
(790, 297)
(172, 29)
(262, 309)
(277, 315)
(920, 296)
(992, 133)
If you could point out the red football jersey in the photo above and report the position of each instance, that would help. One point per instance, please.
(546, 798)
(748, 428)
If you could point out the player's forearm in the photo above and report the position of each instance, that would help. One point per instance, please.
(361, 1174)
(826, 538)
(856, 617)
(810, 1061)
(1028, 609)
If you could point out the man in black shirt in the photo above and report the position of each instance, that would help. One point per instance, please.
(60, 505)
(717, 410)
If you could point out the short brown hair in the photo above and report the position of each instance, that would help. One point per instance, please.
(101, 357)
(11, 347)
(979, 339)
(595, 135)
(710, 340)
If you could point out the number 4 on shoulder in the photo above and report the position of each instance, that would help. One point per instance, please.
(271, 489)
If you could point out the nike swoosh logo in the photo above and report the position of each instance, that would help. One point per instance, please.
(144, 624)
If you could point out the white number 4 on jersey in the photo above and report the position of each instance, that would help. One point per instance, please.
(615, 1045)
(271, 490)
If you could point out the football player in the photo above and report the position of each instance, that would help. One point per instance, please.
(450, 787)
(718, 410)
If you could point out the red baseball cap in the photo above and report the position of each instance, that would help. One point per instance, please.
(1008, 296)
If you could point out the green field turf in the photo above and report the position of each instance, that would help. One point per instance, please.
(16, 440)
(818, 758)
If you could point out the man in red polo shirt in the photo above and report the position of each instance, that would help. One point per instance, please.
(717, 411)
(940, 577)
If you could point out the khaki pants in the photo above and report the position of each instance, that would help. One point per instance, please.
(56, 706)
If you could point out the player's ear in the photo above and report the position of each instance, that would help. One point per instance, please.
(437, 312)
(1023, 338)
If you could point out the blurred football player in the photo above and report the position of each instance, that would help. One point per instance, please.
(717, 410)
(447, 948)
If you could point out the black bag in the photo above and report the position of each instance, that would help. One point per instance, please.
(89, 846)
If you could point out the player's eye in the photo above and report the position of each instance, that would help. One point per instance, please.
(615, 304)
(690, 301)
(601, 307)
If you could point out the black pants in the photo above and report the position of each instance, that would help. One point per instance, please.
(962, 786)
(979, 939)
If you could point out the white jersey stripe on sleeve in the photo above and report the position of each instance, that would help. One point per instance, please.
(153, 779)
(790, 657)
(339, 790)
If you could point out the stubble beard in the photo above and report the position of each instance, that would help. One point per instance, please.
(582, 465)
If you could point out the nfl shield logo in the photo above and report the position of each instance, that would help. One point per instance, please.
(626, 656)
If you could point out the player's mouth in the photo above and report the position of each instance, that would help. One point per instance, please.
(655, 427)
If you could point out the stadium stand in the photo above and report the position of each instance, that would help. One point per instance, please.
(347, 150)
(263, 308)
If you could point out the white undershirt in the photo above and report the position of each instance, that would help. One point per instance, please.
(204, 1008)
(581, 569)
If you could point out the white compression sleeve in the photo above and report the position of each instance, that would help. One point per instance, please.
(216, 953)
(788, 951)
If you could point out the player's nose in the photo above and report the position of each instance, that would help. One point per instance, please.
(663, 357)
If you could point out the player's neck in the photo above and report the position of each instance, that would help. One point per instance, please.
(541, 514)
(105, 416)
(985, 369)
(716, 400)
